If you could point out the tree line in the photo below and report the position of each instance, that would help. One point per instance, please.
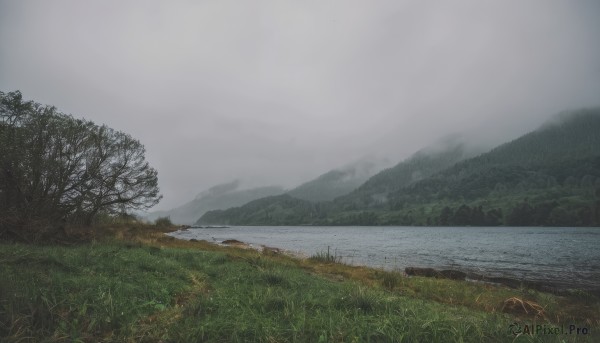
(56, 168)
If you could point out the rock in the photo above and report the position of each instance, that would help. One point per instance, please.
(270, 250)
(416, 271)
(452, 274)
(430, 272)
(232, 241)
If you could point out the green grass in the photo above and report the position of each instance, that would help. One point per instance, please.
(123, 292)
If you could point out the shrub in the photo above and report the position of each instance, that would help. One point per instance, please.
(163, 221)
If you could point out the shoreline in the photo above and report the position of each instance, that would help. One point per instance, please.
(265, 249)
(548, 286)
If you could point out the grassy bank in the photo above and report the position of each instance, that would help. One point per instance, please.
(138, 285)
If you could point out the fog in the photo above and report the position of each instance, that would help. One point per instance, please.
(279, 92)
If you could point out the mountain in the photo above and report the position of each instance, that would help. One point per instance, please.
(325, 187)
(275, 210)
(218, 197)
(419, 166)
(562, 152)
(338, 182)
(549, 177)
(546, 177)
(343, 182)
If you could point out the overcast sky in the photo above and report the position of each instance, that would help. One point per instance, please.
(278, 92)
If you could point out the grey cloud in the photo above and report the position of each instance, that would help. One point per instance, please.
(278, 92)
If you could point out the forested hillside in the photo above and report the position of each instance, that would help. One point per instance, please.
(548, 177)
(275, 210)
(421, 165)
(561, 157)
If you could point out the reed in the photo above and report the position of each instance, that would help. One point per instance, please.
(326, 257)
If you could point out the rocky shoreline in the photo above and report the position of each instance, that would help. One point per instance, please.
(453, 274)
(261, 248)
(505, 281)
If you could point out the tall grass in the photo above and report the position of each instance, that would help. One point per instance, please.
(116, 292)
(326, 257)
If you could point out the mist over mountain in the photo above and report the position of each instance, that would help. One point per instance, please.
(345, 188)
(550, 176)
(221, 189)
(339, 181)
(419, 166)
(218, 197)
(564, 152)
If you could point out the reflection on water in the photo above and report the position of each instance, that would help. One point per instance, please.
(569, 257)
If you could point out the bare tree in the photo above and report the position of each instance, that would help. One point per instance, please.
(56, 167)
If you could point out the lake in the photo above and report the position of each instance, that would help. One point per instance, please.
(564, 257)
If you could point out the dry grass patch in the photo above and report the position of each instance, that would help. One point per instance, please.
(519, 306)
